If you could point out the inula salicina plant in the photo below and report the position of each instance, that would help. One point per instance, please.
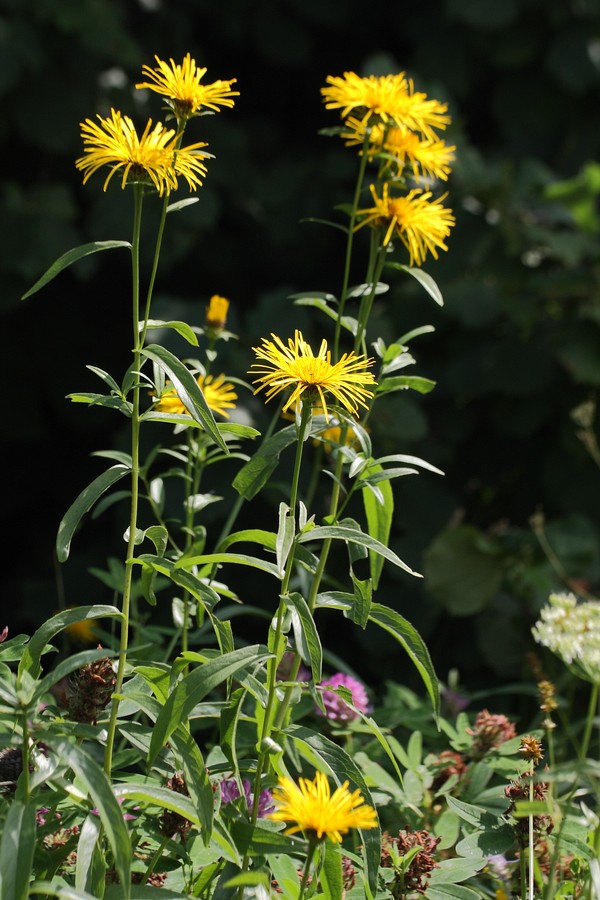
(186, 761)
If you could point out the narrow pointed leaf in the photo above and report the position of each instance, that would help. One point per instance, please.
(16, 850)
(424, 280)
(187, 389)
(413, 643)
(379, 520)
(32, 652)
(194, 687)
(181, 328)
(343, 533)
(306, 635)
(82, 505)
(69, 258)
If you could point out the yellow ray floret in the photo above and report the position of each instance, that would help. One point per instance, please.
(426, 158)
(385, 98)
(152, 158)
(181, 84)
(422, 224)
(310, 377)
(313, 809)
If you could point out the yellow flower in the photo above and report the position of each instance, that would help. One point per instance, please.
(295, 367)
(152, 158)
(83, 631)
(315, 810)
(385, 98)
(218, 393)
(421, 224)
(180, 84)
(216, 313)
(426, 158)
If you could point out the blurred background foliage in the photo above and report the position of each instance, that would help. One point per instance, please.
(516, 347)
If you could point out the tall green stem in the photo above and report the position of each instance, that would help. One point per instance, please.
(346, 278)
(135, 476)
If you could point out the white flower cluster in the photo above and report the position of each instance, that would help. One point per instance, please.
(572, 631)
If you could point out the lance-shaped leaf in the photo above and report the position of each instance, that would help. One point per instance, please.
(379, 519)
(195, 686)
(423, 278)
(413, 643)
(71, 256)
(187, 389)
(32, 652)
(82, 505)
(354, 535)
(306, 635)
(16, 850)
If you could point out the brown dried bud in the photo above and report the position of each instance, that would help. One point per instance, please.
(11, 766)
(416, 876)
(489, 732)
(171, 823)
(89, 690)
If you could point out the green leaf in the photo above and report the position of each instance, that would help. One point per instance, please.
(285, 537)
(188, 390)
(181, 328)
(463, 569)
(343, 533)
(342, 767)
(404, 382)
(451, 892)
(306, 636)
(32, 653)
(196, 778)
(90, 872)
(61, 890)
(16, 851)
(330, 876)
(474, 815)
(197, 588)
(488, 842)
(252, 477)
(66, 667)
(195, 686)
(100, 790)
(379, 519)
(69, 258)
(239, 559)
(423, 278)
(154, 795)
(413, 643)
(450, 871)
(12, 650)
(82, 505)
(181, 204)
(256, 841)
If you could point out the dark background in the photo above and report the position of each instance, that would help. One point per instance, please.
(516, 345)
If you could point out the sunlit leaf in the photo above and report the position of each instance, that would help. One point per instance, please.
(69, 258)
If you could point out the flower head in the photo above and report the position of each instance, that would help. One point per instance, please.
(310, 377)
(90, 690)
(216, 313)
(490, 730)
(180, 84)
(312, 808)
(336, 709)
(153, 158)
(385, 98)
(415, 877)
(420, 223)
(230, 791)
(426, 158)
(531, 749)
(218, 393)
(571, 630)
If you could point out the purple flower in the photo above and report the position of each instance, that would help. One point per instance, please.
(230, 791)
(337, 709)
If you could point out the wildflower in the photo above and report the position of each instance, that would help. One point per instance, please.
(571, 630)
(180, 84)
(420, 223)
(218, 393)
(230, 791)
(171, 823)
(519, 790)
(336, 709)
(308, 376)
(153, 158)
(444, 766)
(313, 809)
(385, 98)
(216, 313)
(531, 749)
(548, 701)
(90, 689)
(415, 876)
(490, 731)
(426, 158)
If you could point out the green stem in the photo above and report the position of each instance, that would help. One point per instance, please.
(346, 278)
(312, 846)
(366, 304)
(589, 722)
(530, 836)
(159, 237)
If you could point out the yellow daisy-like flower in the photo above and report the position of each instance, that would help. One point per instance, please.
(426, 158)
(152, 158)
(180, 84)
(296, 368)
(218, 393)
(318, 812)
(216, 313)
(421, 224)
(385, 98)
